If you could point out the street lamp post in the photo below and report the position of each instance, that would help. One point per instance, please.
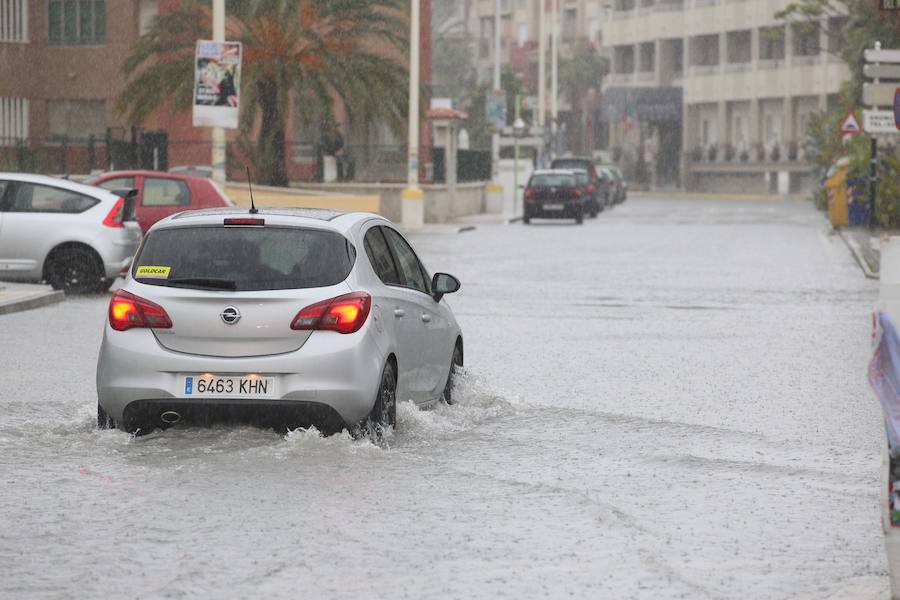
(218, 133)
(412, 197)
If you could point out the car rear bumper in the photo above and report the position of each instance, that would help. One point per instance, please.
(331, 374)
(569, 211)
(143, 416)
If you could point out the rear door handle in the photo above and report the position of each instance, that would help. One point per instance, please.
(399, 312)
(426, 318)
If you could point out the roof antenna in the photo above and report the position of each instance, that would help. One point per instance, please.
(253, 210)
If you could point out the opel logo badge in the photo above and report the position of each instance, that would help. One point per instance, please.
(230, 315)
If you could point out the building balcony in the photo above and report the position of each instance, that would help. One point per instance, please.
(705, 70)
(738, 67)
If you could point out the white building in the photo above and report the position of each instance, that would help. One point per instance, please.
(747, 83)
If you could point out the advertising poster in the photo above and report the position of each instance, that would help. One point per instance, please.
(217, 84)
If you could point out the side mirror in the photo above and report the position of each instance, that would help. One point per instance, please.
(441, 284)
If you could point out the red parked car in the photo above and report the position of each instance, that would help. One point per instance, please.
(162, 194)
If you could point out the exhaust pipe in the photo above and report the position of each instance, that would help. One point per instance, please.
(170, 417)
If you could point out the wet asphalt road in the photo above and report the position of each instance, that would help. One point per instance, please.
(667, 402)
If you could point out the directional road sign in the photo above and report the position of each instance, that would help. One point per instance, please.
(882, 71)
(882, 56)
(879, 94)
(879, 121)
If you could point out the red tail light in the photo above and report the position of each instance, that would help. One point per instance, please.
(127, 310)
(591, 189)
(116, 216)
(576, 193)
(530, 194)
(344, 314)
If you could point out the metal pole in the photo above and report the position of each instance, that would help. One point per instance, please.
(412, 198)
(218, 133)
(516, 155)
(554, 77)
(495, 138)
(542, 62)
(873, 182)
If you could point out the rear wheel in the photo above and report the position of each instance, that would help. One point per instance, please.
(594, 210)
(76, 271)
(384, 413)
(455, 364)
(579, 216)
(526, 220)
(104, 421)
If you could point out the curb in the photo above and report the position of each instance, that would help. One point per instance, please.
(858, 255)
(33, 301)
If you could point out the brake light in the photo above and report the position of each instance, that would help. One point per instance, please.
(116, 215)
(530, 193)
(577, 193)
(591, 189)
(127, 310)
(344, 314)
(246, 221)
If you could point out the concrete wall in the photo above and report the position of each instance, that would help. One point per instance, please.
(439, 207)
(749, 180)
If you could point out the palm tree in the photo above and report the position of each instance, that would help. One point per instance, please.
(351, 50)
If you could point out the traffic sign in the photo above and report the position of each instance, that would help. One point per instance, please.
(882, 71)
(879, 94)
(879, 121)
(897, 108)
(882, 56)
(850, 126)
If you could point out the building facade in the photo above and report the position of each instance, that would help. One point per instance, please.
(61, 76)
(747, 85)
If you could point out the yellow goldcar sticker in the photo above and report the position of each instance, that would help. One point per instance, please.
(153, 272)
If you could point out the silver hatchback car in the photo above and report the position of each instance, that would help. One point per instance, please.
(76, 237)
(284, 318)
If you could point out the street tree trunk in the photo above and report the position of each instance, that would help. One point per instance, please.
(270, 149)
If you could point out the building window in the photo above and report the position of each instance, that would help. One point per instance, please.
(570, 24)
(836, 27)
(623, 59)
(648, 57)
(147, 11)
(705, 51)
(738, 45)
(13, 120)
(771, 43)
(14, 21)
(805, 40)
(74, 22)
(76, 119)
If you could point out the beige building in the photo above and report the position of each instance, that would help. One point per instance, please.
(747, 83)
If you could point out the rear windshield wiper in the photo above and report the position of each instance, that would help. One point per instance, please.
(207, 282)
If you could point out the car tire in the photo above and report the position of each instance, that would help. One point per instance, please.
(579, 217)
(104, 421)
(456, 362)
(594, 210)
(384, 412)
(76, 271)
(526, 220)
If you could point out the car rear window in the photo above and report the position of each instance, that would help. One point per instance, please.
(574, 163)
(582, 178)
(552, 181)
(244, 258)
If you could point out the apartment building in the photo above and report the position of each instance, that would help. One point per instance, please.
(746, 85)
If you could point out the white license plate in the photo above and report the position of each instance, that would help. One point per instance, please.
(215, 386)
(554, 206)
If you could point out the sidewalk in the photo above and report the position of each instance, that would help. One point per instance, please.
(15, 297)
(865, 248)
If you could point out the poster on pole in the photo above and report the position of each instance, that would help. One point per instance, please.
(217, 84)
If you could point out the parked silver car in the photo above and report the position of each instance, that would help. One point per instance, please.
(286, 318)
(76, 237)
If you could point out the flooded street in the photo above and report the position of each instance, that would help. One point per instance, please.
(667, 402)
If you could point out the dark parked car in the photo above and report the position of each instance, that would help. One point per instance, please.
(601, 181)
(163, 194)
(597, 203)
(618, 185)
(555, 194)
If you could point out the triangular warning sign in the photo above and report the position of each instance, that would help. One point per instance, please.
(850, 125)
